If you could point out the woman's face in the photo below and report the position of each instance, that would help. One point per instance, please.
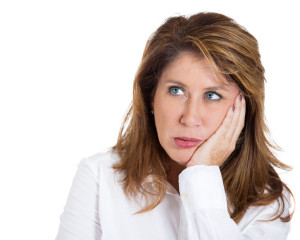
(189, 105)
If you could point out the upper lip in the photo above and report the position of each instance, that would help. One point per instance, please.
(189, 139)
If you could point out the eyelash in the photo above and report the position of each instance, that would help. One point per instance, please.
(174, 86)
(211, 92)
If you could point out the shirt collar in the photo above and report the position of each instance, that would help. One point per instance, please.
(147, 184)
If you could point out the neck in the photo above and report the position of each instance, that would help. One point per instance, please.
(175, 170)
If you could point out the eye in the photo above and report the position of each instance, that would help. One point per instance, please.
(174, 90)
(212, 96)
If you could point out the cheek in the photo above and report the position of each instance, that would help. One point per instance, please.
(215, 118)
(166, 115)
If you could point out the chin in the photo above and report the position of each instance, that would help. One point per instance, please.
(181, 156)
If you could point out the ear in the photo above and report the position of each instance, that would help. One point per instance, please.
(152, 104)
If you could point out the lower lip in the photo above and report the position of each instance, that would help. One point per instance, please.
(185, 144)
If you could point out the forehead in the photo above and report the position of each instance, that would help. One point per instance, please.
(189, 67)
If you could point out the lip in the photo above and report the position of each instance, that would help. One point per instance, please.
(185, 142)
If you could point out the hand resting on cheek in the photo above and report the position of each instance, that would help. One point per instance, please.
(217, 148)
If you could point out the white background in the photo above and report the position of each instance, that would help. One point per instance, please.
(66, 72)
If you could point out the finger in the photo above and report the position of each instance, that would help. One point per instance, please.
(241, 121)
(236, 116)
(229, 124)
(225, 125)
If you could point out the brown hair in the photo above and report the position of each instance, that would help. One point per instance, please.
(233, 52)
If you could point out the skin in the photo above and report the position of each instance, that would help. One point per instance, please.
(191, 101)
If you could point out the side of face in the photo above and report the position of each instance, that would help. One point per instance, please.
(189, 105)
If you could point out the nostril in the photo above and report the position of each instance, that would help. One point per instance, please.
(189, 120)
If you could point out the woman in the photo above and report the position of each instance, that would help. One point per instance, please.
(194, 161)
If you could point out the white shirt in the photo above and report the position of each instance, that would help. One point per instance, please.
(97, 208)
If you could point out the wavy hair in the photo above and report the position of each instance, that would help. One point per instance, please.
(248, 174)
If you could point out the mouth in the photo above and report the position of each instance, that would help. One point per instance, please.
(185, 142)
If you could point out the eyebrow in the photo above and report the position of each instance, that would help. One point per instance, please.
(216, 88)
(177, 83)
(213, 88)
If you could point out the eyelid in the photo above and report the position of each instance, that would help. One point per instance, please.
(214, 92)
(176, 86)
(183, 90)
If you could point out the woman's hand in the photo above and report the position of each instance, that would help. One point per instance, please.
(217, 148)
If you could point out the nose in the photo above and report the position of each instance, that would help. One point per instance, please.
(193, 114)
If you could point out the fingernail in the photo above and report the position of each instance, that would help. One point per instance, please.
(241, 97)
(233, 108)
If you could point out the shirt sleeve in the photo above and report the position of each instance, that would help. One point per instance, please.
(205, 209)
(80, 219)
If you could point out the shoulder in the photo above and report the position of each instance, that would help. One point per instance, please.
(279, 207)
(99, 161)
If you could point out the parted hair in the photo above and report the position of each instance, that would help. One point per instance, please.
(249, 174)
